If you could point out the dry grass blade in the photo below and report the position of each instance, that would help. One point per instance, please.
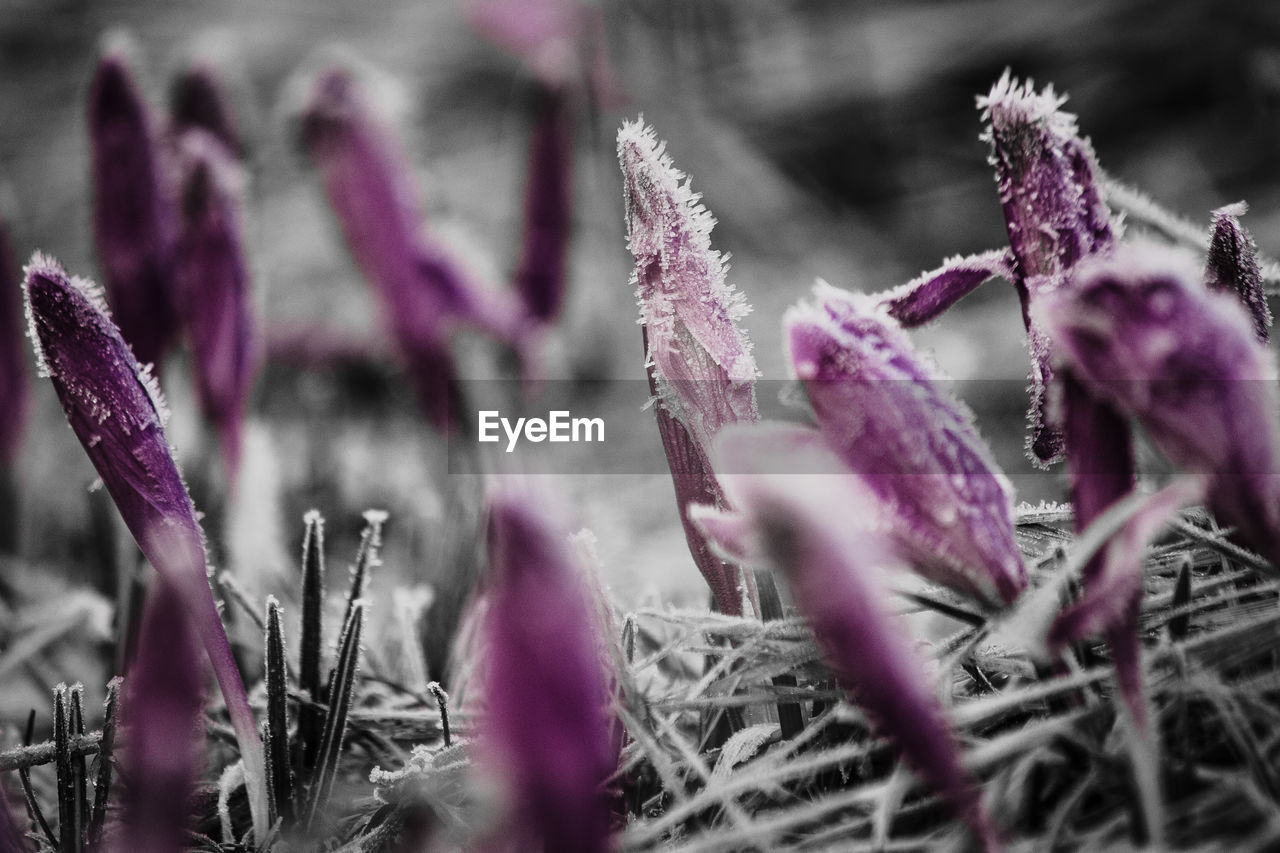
(24, 777)
(102, 779)
(279, 770)
(341, 692)
(310, 718)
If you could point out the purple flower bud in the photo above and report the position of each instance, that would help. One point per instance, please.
(1233, 266)
(809, 528)
(424, 291)
(163, 714)
(925, 298)
(1053, 210)
(700, 366)
(548, 207)
(213, 286)
(198, 99)
(14, 390)
(879, 406)
(1142, 332)
(546, 729)
(134, 214)
(114, 407)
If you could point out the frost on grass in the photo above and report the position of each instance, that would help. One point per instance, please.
(880, 404)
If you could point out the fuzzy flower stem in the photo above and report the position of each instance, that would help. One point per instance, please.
(114, 408)
(163, 717)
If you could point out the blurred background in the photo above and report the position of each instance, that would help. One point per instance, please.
(830, 139)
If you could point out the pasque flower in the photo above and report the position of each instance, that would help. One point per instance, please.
(1055, 215)
(541, 277)
(817, 526)
(134, 213)
(163, 713)
(699, 362)
(1232, 266)
(212, 277)
(1141, 331)
(546, 728)
(114, 408)
(426, 294)
(880, 406)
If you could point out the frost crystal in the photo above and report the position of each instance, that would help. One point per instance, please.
(699, 362)
(879, 405)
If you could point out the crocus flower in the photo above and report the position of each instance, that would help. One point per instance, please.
(548, 207)
(818, 529)
(14, 391)
(879, 405)
(1053, 210)
(1055, 216)
(134, 213)
(198, 99)
(699, 363)
(213, 286)
(163, 713)
(545, 729)
(1233, 266)
(424, 291)
(115, 409)
(1141, 331)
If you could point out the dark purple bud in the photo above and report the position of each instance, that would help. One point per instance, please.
(1142, 332)
(548, 207)
(425, 293)
(1054, 212)
(819, 530)
(198, 99)
(163, 715)
(14, 384)
(926, 297)
(134, 213)
(546, 730)
(1233, 266)
(114, 407)
(701, 370)
(212, 277)
(879, 405)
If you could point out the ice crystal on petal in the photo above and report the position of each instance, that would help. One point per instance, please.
(879, 404)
